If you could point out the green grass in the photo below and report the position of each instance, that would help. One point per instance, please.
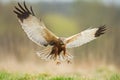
(99, 74)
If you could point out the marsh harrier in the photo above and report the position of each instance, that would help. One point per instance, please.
(55, 47)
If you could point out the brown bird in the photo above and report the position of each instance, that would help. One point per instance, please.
(55, 47)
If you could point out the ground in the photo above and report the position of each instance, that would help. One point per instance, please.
(100, 74)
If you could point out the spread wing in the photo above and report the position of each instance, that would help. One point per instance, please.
(33, 27)
(84, 37)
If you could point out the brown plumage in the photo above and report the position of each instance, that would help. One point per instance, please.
(55, 47)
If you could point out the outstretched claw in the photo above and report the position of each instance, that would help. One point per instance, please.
(69, 62)
(58, 63)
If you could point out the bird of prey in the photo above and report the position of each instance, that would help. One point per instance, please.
(55, 47)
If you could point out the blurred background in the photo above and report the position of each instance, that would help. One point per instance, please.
(64, 18)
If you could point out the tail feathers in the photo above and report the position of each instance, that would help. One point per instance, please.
(66, 57)
(45, 55)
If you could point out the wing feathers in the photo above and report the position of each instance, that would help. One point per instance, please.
(32, 10)
(20, 11)
(84, 37)
(33, 27)
(26, 8)
(21, 7)
(100, 31)
(23, 13)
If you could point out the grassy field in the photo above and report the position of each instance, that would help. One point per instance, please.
(100, 74)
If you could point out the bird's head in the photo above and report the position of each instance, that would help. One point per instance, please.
(61, 41)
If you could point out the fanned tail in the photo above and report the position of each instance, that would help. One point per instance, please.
(46, 55)
(66, 57)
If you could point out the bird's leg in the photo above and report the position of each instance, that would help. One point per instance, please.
(68, 58)
(56, 56)
(69, 62)
(64, 51)
(58, 62)
(56, 53)
(57, 59)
